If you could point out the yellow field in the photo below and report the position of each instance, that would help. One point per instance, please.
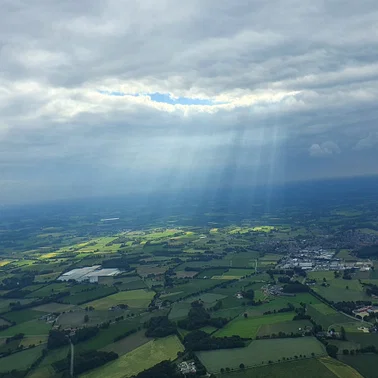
(48, 255)
(339, 369)
(4, 262)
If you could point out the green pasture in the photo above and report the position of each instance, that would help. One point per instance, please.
(249, 327)
(30, 328)
(260, 352)
(306, 368)
(20, 360)
(134, 299)
(139, 359)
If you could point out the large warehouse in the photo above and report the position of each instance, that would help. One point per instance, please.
(89, 273)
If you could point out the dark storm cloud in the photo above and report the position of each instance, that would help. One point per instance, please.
(293, 84)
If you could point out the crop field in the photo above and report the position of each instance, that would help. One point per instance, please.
(349, 345)
(286, 327)
(209, 299)
(232, 274)
(193, 286)
(106, 336)
(139, 359)
(43, 372)
(365, 364)
(364, 339)
(87, 296)
(260, 352)
(55, 355)
(319, 275)
(348, 290)
(33, 340)
(21, 360)
(208, 273)
(4, 304)
(76, 318)
(249, 327)
(134, 299)
(47, 290)
(179, 310)
(309, 368)
(324, 309)
(4, 262)
(54, 307)
(22, 316)
(46, 277)
(326, 320)
(128, 344)
(132, 285)
(145, 270)
(339, 368)
(30, 328)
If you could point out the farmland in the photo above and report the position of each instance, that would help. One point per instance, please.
(139, 359)
(260, 352)
(226, 273)
(309, 368)
(133, 298)
(21, 360)
(249, 327)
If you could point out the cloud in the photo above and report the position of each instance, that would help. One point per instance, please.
(366, 143)
(324, 149)
(90, 91)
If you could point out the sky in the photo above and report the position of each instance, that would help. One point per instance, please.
(113, 97)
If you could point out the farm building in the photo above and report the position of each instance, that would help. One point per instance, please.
(89, 273)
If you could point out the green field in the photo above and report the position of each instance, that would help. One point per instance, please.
(21, 360)
(260, 352)
(87, 296)
(191, 287)
(179, 310)
(326, 320)
(250, 327)
(339, 368)
(339, 289)
(53, 307)
(4, 304)
(365, 364)
(55, 355)
(22, 315)
(286, 327)
(47, 290)
(324, 309)
(208, 298)
(106, 336)
(30, 328)
(364, 339)
(128, 344)
(305, 368)
(134, 299)
(139, 359)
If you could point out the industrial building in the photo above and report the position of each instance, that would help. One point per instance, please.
(89, 273)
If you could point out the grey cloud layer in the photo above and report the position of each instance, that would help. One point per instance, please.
(299, 81)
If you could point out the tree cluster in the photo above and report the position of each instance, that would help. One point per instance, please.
(164, 369)
(198, 317)
(159, 326)
(370, 251)
(296, 287)
(200, 340)
(84, 334)
(57, 339)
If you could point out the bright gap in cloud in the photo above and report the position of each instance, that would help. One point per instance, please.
(166, 98)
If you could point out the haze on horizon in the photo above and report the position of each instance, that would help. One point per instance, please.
(111, 97)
